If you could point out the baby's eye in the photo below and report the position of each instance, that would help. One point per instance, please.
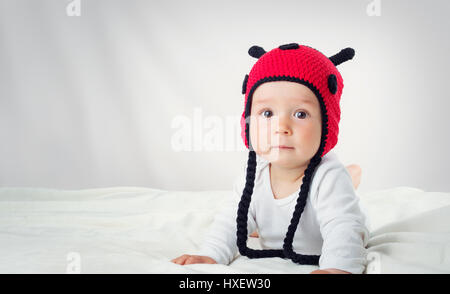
(267, 113)
(300, 114)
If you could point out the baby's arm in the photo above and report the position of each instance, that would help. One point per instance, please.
(219, 245)
(342, 224)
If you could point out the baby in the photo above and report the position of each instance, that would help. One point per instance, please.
(290, 125)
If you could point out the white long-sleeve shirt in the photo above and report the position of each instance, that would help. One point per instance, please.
(332, 224)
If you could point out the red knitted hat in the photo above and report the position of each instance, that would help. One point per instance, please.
(309, 67)
(304, 65)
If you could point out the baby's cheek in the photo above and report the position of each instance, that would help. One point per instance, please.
(260, 138)
(310, 137)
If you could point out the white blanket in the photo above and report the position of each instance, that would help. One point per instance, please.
(139, 230)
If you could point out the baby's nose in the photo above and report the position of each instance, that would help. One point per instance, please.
(282, 125)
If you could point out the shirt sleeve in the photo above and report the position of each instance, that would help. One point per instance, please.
(342, 223)
(220, 240)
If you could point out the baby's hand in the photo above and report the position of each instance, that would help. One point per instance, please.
(191, 259)
(329, 271)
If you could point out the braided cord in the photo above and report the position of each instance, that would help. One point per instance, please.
(299, 207)
(242, 218)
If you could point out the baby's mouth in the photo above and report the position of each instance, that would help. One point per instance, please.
(283, 147)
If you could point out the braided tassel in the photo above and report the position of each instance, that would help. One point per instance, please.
(299, 207)
(242, 216)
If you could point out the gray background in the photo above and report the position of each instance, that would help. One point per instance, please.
(88, 101)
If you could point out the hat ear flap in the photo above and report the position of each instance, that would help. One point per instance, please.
(256, 51)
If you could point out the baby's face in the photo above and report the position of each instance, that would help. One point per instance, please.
(287, 114)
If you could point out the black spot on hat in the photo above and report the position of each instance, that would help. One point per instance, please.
(289, 46)
(244, 84)
(332, 83)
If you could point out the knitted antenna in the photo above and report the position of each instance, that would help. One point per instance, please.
(309, 67)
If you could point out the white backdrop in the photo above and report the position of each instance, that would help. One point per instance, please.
(104, 98)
